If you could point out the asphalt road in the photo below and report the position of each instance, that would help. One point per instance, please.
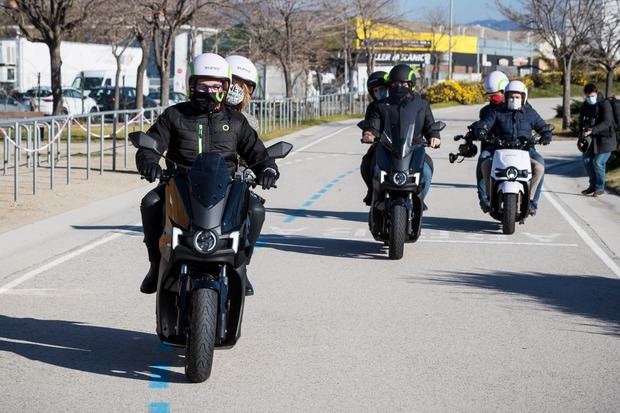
(469, 320)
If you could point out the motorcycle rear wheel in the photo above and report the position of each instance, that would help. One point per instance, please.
(398, 231)
(510, 213)
(201, 337)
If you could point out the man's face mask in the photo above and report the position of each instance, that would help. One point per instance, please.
(399, 90)
(496, 99)
(208, 96)
(514, 102)
(235, 95)
(591, 99)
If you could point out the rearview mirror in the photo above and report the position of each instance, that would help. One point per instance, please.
(364, 124)
(438, 126)
(143, 141)
(279, 150)
(547, 128)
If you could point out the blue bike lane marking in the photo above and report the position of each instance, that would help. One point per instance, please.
(299, 212)
(160, 373)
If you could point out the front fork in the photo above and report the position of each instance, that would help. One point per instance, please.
(220, 285)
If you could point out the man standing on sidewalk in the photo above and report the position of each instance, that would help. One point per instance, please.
(596, 121)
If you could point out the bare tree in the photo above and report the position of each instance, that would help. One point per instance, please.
(49, 22)
(606, 41)
(438, 27)
(286, 31)
(371, 14)
(565, 25)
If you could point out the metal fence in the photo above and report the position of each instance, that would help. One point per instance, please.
(290, 112)
(46, 145)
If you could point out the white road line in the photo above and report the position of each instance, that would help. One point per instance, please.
(465, 241)
(584, 236)
(318, 141)
(63, 258)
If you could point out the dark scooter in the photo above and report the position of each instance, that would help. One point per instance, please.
(395, 215)
(200, 291)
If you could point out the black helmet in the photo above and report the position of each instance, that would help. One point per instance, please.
(402, 73)
(375, 79)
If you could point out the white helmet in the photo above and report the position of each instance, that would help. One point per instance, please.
(517, 86)
(495, 82)
(243, 68)
(209, 65)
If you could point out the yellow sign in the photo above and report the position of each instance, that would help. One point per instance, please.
(384, 37)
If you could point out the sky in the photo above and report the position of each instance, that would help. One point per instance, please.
(463, 11)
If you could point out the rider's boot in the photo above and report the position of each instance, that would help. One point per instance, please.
(149, 284)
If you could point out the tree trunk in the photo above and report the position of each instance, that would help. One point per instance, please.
(144, 45)
(609, 84)
(370, 61)
(56, 64)
(165, 80)
(117, 86)
(566, 67)
(287, 79)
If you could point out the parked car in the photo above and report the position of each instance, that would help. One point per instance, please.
(71, 101)
(11, 104)
(173, 97)
(105, 98)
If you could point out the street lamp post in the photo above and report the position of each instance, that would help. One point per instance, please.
(450, 46)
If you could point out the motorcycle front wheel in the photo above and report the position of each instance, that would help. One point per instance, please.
(398, 231)
(201, 337)
(510, 213)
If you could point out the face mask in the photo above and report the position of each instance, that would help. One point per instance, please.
(591, 100)
(514, 104)
(399, 92)
(496, 99)
(207, 101)
(235, 95)
(381, 94)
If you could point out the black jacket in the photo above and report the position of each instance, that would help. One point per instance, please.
(599, 118)
(394, 117)
(226, 132)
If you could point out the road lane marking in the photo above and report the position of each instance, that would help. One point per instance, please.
(300, 211)
(317, 141)
(159, 408)
(585, 237)
(63, 258)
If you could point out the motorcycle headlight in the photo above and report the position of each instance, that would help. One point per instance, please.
(205, 241)
(512, 174)
(399, 178)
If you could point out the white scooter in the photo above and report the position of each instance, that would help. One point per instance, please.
(510, 179)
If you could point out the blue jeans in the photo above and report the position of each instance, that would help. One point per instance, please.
(427, 177)
(595, 167)
(482, 185)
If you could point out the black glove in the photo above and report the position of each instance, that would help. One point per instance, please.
(545, 139)
(150, 171)
(268, 178)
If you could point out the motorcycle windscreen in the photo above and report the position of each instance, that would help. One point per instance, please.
(208, 179)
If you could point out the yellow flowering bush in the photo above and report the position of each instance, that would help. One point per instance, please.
(451, 91)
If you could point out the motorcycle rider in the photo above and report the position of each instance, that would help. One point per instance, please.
(494, 85)
(188, 128)
(515, 119)
(403, 100)
(377, 86)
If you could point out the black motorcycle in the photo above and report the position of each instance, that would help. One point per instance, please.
(200, 289)
(395, 215)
